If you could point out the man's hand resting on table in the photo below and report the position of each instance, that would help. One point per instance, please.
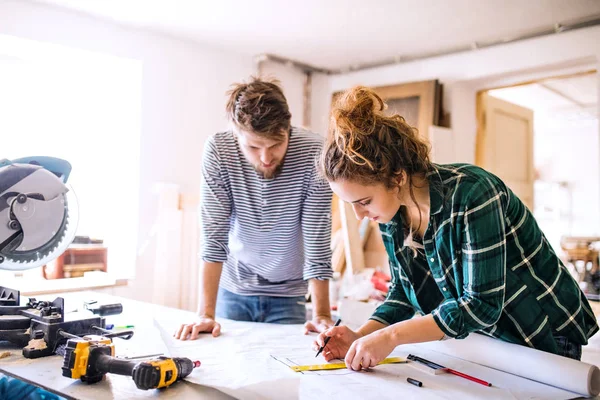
(203, 324)
(318, 324)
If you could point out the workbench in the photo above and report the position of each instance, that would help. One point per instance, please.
(46, 372)
(244, 355)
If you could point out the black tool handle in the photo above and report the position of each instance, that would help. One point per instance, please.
(107, 309)
(125, 335)
(106, 363)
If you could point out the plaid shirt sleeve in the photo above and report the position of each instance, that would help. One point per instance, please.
(395, 308)
(483, 263)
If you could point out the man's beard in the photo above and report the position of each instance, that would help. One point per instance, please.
(270, 173)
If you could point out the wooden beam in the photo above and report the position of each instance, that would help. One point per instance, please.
(353, 246)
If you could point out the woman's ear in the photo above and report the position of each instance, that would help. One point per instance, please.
(401, 178)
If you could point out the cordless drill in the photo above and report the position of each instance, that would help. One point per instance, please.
(91, 357)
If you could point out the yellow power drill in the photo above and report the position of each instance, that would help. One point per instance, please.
(91, 357)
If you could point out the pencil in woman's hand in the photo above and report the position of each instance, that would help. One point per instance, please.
(327, 339)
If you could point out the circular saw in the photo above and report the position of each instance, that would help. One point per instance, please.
(38, 211)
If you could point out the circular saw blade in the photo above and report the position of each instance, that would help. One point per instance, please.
(13, 253)
(20, 260)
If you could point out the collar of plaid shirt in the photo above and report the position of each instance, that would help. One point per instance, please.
(436, 204)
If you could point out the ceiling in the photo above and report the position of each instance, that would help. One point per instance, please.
(338, 34)
(561, 99)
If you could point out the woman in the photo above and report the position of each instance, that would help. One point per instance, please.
(465, 254)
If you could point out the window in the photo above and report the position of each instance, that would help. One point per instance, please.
(83, 107)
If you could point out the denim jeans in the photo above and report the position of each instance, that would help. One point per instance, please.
(567, 348)
(11, 388)
(269, 309)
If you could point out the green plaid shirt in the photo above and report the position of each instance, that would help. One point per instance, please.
(486, 266)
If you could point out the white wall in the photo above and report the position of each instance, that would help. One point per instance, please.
(320, 103)
(292, 80)
(464, 73)
(183, 95)
(567, 151)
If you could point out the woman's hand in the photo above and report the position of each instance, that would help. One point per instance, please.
(370, 350)
(342, 338)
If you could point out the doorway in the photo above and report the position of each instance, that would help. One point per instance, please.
(565, 154)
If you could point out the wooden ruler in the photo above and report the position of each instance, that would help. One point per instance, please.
(341, 365)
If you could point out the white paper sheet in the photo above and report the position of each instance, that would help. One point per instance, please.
(242, 363)
(562, 372)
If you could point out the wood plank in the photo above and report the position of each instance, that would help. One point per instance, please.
(355, 261)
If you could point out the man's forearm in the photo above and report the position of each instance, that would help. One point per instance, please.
(211, 274)
(319, 290)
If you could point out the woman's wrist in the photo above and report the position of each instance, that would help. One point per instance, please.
(393, 334)
(369, 327)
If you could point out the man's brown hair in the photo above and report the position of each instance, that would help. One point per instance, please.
(259, 107)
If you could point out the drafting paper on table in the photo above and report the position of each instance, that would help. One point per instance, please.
(229, 362)
(245, 362)
(168, 326)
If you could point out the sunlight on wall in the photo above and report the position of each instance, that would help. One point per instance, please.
(86, 108)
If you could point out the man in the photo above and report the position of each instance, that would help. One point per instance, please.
(265, 218)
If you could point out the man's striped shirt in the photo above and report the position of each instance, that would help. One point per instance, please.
(271, 234)
(486, 266)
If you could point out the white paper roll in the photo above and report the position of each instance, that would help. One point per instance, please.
(540, 366)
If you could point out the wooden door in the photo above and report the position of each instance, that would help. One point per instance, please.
(417, 102)
(505, 144)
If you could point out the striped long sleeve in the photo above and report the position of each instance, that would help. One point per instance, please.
(215, 207)
(316, 229)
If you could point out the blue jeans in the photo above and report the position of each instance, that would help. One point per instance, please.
(269, 309)
(11, 388)
(567, 348)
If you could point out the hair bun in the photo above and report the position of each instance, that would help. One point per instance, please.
(356, 115)
(357, 111)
